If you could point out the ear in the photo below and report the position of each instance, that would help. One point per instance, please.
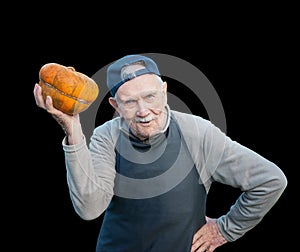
(165, 91)
(165, 85)
(113, 103)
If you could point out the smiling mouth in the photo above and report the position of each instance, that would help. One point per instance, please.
(144, 123)
(145, 120)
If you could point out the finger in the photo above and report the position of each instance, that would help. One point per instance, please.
(200, 233)
(199, 246)
(196, 237)
(38, 95)
(39, 99)
(49, 106)
(37, 91)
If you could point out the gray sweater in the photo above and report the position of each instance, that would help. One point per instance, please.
(91, 172)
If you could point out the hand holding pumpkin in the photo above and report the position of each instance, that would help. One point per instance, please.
(72, 92)
(69, 123)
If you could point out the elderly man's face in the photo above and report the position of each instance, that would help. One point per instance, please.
(142, 103)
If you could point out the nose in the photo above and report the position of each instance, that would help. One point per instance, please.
(142, 108)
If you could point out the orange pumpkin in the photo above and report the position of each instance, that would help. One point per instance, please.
(72, 92)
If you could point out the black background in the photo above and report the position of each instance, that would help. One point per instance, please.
(249, 61)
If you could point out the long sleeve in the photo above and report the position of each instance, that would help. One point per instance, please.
(219, 158)
(261, 181)
(91, 173)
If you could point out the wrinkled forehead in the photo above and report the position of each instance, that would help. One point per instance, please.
(140, 85)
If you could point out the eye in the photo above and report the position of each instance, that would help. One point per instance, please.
(130, 102)
(150, 97)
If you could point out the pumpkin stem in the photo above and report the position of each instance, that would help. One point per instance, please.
(71, 68)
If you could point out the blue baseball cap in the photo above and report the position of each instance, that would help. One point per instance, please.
(114, 71)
